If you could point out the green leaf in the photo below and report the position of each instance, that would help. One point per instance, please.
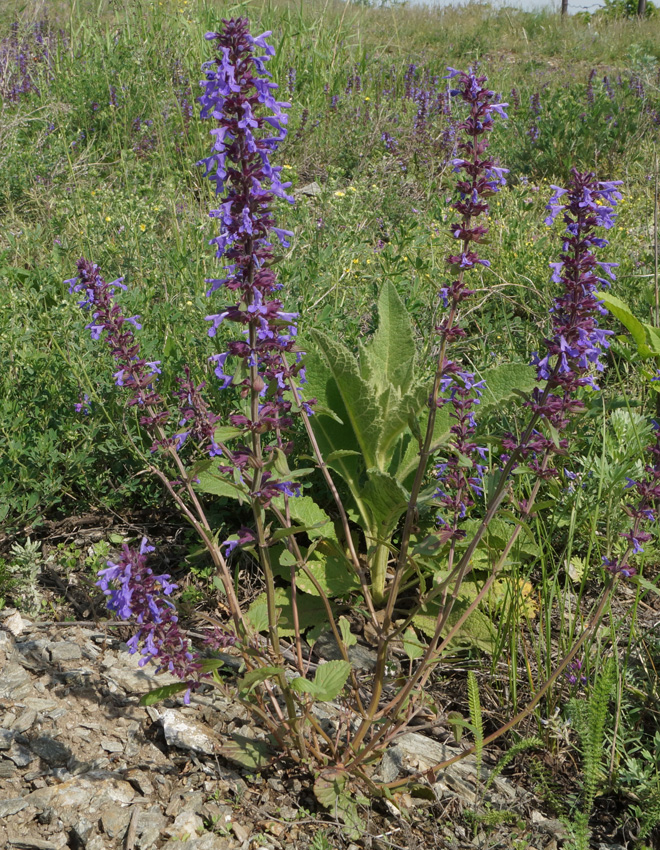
(332, 570)
(620, 310)
(388, 359)
(209, 482)
(226, 432)
(303, 509)
(330, 679)
(349, 396)
(346, 635)
(247, 752)
(330, 791)
(412, 645)
(504, 383)
(310, 612)
(387, 499)
(159, 694)
(256, 677)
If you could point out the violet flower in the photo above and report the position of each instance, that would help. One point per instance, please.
(136, 593)
(239, 95)
(460, 476)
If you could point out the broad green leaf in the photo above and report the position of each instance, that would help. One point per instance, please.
(388, 358)
(247, 752)
(330, 679)
(226, 432)
(412, 645)
(310, 612)
(209, 482)
(620, 310)
(357, 397)
(332, 570)
(504, 383)
(256, 677)
(386, 498)
(396, 416)
(330, 791)
(478, 630)
(346, 635)
(304, 510)
(158, 694)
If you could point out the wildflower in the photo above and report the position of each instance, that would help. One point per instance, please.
(143, 227)
(460, 476)
(135, 592)
(340, 194)
(239, 94)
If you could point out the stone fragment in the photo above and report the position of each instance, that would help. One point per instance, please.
(12, 806)
(112, 745)
(24, 721)
(240, 831)
(186, 734)
(80, 833)
(64, 651)
(7, 769)
(15, 623)
(150, 825)
(6, 739)
(115, 820)
(27, 843)
(186, 825)
(15, 682)
(51, 751)
(20, 755)
(310, 190)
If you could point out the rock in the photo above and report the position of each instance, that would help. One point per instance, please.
(15, 623)
(186, 825)
(51, 751)
(12, 806)
(25, 720)
(15, 683)
(64, 651)
(240, 831)
(149, 827)
(554, 827)
(361, 657)
(310, 189)
(6, 739)
(6, 769)
(26, 843)
(115, 820)
(80, 833)
(186, 734)
(111, 745)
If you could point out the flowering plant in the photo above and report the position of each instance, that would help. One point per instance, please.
(403, 450)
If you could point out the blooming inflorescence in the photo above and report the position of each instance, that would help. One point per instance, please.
(239, 95)
(574, 350)
(135, 592)
(481, 177)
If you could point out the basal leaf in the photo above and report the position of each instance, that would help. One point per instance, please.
(159, 694)
(304, 510)
(332, 570)
(357, 397)
(209, 482)
(388, 358)
(247, 752)
(386, 498)
(256, 677)
(330, 679)
(311, 611)
(620, 310)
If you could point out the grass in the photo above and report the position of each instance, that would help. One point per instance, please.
(98, 149)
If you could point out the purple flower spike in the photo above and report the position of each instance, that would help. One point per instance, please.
(239, 95)
(135, 593)
(460, 477)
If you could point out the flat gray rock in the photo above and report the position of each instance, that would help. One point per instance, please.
(64, 651)
(186, 734)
